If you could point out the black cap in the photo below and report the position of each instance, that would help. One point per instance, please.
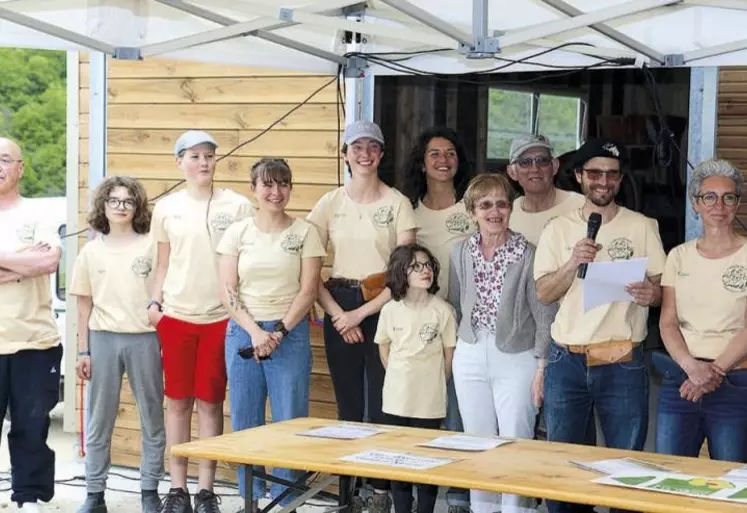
(598, 148)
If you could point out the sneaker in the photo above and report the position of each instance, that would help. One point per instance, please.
(379, 503)
(94, 504)
(206, 502)
(30, 507)
(149, 501)
(177, 501)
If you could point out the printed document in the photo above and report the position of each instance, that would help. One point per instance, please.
(344, 431)
(605, 282)
(465, 443)
(397, 459)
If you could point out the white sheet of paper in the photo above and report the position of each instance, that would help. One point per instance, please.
(465, 443)
(397, 459)
(739, 473)
(619, 466)
(605, 281)
(344, 431)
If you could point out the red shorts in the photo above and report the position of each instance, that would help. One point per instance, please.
(194, 361)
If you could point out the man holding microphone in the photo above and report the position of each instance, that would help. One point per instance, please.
(596, 358)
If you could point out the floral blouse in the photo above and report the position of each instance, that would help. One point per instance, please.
(489, 278)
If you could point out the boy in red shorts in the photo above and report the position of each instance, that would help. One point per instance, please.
(187, 312)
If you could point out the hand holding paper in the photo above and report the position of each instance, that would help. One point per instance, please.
(607, 282)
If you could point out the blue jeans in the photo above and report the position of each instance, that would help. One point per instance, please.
(618, 392)
(720, 417)
(284, 377)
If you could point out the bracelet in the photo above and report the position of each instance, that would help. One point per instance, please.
(84, 353)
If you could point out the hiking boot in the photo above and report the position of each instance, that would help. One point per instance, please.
(94, 503)
(149, 501)
(177, 501)
(379, 503)
(206, 502)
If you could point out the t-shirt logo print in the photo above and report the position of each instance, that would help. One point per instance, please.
(25, 233)
(292, 243)
(457, 223)
(384, 215)
(428, 332)
(142, 266)
(620, 249)
(221, 221)
(735, 278)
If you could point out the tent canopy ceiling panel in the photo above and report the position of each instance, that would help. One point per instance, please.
(308, 35)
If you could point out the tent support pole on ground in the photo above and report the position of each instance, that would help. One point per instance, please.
(701, 142)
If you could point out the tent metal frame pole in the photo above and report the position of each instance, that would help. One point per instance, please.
(430, 20)
(264, 33)
(713, 51)
(701, 137)
(609, 32)
(55, 31)
(97, 120)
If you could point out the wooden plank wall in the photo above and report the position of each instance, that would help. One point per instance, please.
(731, 138)
(152, 102)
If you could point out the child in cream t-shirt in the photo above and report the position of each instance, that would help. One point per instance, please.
(416, 336)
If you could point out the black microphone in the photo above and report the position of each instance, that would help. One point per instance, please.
(592, 228)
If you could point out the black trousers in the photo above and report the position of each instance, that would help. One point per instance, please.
(401, 491)
(29, 384)
(356, 370)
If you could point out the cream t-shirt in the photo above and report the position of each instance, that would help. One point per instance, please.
(26, 314)
(531, 224)
(415, 381)
(119, 279)
(191, 287)
(710, 296)
(361, 237)
(439, 231)
(628, 235)
(270, 264)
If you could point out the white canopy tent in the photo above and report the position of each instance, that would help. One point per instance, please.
(439, 36)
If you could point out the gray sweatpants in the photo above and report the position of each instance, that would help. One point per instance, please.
(112, 355)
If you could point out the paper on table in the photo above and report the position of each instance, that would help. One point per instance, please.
(344, 431)
(619, 465)
(733, 490)
(397, 459)
(740, 473)
(465, 443)
(605, 282)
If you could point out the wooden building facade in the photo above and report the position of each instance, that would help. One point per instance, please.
(151, 103)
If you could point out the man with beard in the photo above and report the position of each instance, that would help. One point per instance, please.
(595, 362)
(30, 350)
(533, 166)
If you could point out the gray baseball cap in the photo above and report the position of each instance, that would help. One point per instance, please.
(527, 142)
(361, 129)
(192, 138)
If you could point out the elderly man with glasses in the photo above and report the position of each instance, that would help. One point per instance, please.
(30, 349)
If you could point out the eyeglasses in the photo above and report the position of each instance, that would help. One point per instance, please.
(596, 174)
(540, 161)
(7, 161)
(115, 203)
(488, 205)
(709, 199)
(419, 267)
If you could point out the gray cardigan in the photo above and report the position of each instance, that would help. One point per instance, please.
(523, 322)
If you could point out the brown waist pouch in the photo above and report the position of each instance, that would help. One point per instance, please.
(373, 285)
(606, 353)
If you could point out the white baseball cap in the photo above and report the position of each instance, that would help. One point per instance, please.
(192, 138)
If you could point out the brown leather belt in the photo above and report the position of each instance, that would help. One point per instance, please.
(605, 353)
(583, 349)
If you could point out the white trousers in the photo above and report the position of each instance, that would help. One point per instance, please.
(494, 394)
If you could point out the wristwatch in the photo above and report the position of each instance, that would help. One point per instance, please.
(154, 302)
(280, 328)
(84, 353)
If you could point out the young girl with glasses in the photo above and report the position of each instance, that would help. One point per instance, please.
(416, 336)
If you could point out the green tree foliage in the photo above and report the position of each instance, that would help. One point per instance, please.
(509, 115)
(32, 112)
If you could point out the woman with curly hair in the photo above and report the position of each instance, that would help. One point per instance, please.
(269, 269)
(112, 280)
(436, 176)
